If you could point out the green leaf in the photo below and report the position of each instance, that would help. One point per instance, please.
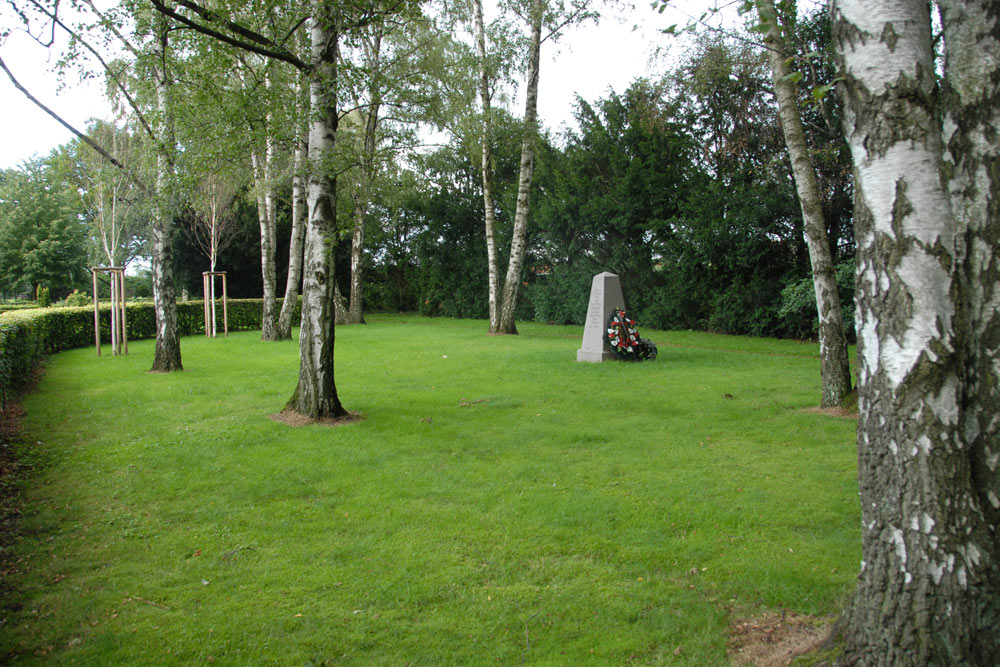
(793, 77)
(820, 92)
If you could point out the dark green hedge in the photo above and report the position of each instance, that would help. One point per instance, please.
(26, 336)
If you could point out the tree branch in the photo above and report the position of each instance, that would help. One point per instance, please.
(281, 55)
(83, 137)
(107, 68)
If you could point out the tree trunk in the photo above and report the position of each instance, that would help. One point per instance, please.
(487, 170)
(835, 370)
(167, 355)
(927, 592)
(362, 194)
(315, 395)
(284, 328)
(268, 234)
(340, 314)
(972, 156)
(355, 309)
(517, 245)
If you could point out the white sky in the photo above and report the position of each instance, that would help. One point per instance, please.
(586, 61)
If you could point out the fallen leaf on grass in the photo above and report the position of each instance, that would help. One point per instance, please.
(463, 403)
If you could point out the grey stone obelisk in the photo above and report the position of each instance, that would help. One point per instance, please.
(605, 297)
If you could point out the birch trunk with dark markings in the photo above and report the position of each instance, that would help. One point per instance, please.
(299, 204)
(512, 282)
(167, 354)
(485, 98)
(835, 373)
(926, 231)
(315, 395)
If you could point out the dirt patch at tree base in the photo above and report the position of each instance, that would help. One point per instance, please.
(295, 419)
(846, 413)
(775, 640)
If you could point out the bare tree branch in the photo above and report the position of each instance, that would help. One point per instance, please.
(281, 55)
(83, 137)
(107, 68)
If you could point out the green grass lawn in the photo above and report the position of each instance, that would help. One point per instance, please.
(498, 503)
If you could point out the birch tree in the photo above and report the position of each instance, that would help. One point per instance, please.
(315, 395)
(927, 230)
(167, 356)
(392, 81)
(212, 226)
(264, 177)
(486, 100)
(545, 19)
(146, 39)
(834, 367)
(114, 205)
(300, 149)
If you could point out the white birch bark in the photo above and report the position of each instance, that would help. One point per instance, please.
(284, 328)
(167, 355)
(315, 395)
(487, 169)
(362, 194)
(268, 233)
(972, 75)
(512, 282)
(213, 231)
(835, 371)
(925, 593)
(110, 186)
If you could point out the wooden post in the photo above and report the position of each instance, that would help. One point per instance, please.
(113, 293)
(116, 280)
(208, 286)
(121, 278)
(97, 315)
(204, 298)
(225, 306)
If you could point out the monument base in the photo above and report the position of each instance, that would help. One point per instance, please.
(594, 356)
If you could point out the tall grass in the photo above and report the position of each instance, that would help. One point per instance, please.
(498, 502)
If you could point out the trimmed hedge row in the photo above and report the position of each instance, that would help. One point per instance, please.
(19, 305)
(26, 336)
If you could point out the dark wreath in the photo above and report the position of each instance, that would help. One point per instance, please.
(624, 340)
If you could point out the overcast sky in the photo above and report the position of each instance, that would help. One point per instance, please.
(588, 61)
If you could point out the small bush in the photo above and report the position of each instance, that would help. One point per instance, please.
(76, 298)
(42, 297)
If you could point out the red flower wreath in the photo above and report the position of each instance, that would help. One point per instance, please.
(624, 341)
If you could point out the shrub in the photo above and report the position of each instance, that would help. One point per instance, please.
(562, 296)
(42, 297)
(798, 304)
(76, 298)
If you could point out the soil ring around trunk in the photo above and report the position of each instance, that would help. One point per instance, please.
(777, 639)
(296, 419)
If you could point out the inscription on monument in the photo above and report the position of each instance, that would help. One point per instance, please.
(605, 297)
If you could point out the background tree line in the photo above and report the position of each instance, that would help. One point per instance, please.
(681, 185)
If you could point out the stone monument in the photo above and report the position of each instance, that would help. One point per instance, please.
(605, 297)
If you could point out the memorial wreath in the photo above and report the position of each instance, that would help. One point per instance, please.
(624, 340)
